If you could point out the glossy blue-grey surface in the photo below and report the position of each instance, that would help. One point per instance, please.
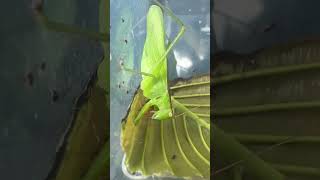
(31, 124)
(189, 57)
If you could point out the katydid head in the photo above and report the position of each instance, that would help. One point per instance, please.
(163, 114)
(164, 111)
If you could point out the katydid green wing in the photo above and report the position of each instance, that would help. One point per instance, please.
(155, 87)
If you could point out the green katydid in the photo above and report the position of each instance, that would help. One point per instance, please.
(154, 67)
(154, 83)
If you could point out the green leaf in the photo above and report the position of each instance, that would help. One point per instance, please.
(85, 138)
(266, 98)
(177, 147)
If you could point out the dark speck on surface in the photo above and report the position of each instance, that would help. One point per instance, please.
(121, 62)
(173, 156)
(43, 66)
(54, 95)
(269, 27)
(29, 79)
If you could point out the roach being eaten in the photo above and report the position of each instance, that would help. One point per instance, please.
(126, 41)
